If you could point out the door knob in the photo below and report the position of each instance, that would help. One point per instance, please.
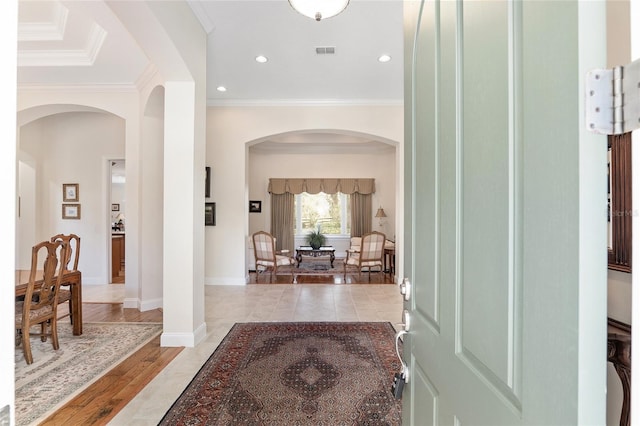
(405, 288)
(406, 320)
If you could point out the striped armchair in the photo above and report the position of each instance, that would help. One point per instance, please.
(370, 255)
(264, 249)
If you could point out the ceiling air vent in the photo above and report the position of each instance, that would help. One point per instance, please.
(327, 50)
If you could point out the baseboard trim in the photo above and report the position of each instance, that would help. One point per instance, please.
(224, 281)
(131, 304)
(188, 340)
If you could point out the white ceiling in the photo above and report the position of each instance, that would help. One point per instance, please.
(82, 43)
(245, 29)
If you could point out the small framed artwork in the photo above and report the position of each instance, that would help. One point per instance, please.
(210, 214)
(70, 192)
(207, 182)
(255, 206)
(71, 211)
(115, 207)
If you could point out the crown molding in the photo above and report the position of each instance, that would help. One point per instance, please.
(147, 75)
(303, 102)
(67, 57)
(78, 88)
(46, 31)
(201, 13)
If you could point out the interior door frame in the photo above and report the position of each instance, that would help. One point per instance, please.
(109, 201)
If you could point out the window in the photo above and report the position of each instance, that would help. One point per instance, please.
(329, 212)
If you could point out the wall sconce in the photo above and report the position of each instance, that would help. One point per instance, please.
(380, 214)
(319, 9)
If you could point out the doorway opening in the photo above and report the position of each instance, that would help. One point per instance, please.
(117, 222)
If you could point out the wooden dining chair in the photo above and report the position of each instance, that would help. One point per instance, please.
(369, 256)
(69, 264)
(264, 249)
(40, 304)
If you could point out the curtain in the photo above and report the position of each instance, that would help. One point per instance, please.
(328, 186)
(360, 214)
(282, 220)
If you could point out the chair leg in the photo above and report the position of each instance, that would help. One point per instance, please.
(26, 347)
(54, 334)
(43, 331)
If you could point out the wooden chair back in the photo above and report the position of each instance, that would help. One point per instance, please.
(46, 288)
(73, 250)
(41, 299)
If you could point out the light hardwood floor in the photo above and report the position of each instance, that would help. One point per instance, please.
(101, 401)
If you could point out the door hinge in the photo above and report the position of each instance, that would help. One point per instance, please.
(613, 99)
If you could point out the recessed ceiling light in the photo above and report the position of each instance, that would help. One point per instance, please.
(221, 89)
(384, 58)
(262, 59)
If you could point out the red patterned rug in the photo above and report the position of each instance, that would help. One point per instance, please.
(320, 373)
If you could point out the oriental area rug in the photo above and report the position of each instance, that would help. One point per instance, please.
(55, 377)
(316, 373)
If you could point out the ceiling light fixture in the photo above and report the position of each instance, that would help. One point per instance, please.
(384, 58)
(221, 89)
(262, 59)
(319, 9)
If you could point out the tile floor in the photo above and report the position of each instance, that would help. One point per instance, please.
(226, 305)
(109, 293)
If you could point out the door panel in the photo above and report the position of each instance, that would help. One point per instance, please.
(426, 170)
(487, 204)
(484, 293)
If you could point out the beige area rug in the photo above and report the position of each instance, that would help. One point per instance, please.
(57, 376)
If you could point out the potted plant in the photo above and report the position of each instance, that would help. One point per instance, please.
(315, 239)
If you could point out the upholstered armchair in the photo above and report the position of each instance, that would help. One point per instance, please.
(264, 249)
(369, 254)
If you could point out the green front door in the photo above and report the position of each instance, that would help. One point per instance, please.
(506, 213)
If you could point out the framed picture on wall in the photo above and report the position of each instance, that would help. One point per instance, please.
(115, 207)
(255, 206)
(210, 214)
(70, 192)
(71, 211)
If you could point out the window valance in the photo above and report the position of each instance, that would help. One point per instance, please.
(329, 186)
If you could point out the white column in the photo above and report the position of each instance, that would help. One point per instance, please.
(183, 287)
(8, 40)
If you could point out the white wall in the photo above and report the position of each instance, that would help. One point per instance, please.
(229, 132)
(8, 170)
(73, 148)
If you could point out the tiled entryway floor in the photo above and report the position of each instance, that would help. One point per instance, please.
(226, 305)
